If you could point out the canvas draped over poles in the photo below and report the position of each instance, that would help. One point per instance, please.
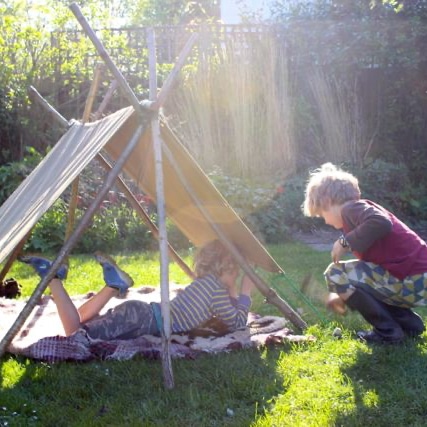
(82, 142)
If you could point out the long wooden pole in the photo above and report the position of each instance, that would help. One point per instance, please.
(161, 214)
(43, 102)
(13, 257)
(155, 128)
(98, 113)
(72, 241)
(128, 92)
(86, 117)
(171, 79)
(140, 210)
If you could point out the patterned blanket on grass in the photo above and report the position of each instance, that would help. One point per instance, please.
(42, 337)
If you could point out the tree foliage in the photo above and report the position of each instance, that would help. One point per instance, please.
(367, 57)
(28, 56)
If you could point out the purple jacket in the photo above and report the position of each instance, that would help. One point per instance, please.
(376, 235)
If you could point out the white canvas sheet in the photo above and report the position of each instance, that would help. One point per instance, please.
(52, 176)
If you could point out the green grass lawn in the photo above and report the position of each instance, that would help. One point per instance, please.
(331, 382)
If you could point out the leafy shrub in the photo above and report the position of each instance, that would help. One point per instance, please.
(113, 228)
(175, 237)
(244, 197)
(12, 174)
(284, 215)
(48, 234)
(250, 202)
(136, 235)
(393, 186)
(271, 214)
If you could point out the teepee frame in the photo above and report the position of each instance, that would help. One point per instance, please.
(144, 121)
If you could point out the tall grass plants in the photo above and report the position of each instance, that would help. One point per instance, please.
(235, 109)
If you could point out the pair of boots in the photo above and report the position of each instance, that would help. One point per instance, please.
(391, 323)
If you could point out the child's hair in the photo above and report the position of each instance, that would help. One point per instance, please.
(213, 258)
(327, 186)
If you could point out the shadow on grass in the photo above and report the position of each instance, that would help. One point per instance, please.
(225, 389)
(389, 385)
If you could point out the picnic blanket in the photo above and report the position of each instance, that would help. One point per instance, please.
(42, 337)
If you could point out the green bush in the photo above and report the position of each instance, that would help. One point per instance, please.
(284, 214)
(13, 173)
(114, 228)
(175, 237)
(271, 213)
(392, 185)
(245, 197)
(48, 234)
(396, 187)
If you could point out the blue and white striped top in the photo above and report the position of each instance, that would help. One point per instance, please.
(203, 299)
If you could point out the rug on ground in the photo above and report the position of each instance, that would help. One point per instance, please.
(42, 337)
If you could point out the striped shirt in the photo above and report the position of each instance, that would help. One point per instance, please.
(203, 299)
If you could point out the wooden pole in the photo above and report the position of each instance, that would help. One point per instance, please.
(106, 100)
(155, 129)
(171, 79)
(13, 257)
(124, 86)
(43, 102)
(71, 242)
(161, 214)
(140, 210)
(131, 97)
(86, 117)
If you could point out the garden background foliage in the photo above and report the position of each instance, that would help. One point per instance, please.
(258, 105)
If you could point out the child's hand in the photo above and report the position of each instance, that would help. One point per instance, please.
(232, 290)
(338, 251)
(247, 285)
(335, 303)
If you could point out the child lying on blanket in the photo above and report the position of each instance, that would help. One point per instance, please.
(212, 294)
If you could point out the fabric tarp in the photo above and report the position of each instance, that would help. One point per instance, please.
(37, 193)
(80, 145)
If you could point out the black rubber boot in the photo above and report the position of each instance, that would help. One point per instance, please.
(409, 321)
(386, 329)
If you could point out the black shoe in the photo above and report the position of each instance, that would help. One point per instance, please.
(386, 328)
(409, 321)
(372, 337)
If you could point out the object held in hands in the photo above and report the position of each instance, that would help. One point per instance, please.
(336, 304)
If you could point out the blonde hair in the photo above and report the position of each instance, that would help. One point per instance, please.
(327, 186)
(213, 258)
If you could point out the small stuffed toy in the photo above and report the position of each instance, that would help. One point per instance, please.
(10, 288)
